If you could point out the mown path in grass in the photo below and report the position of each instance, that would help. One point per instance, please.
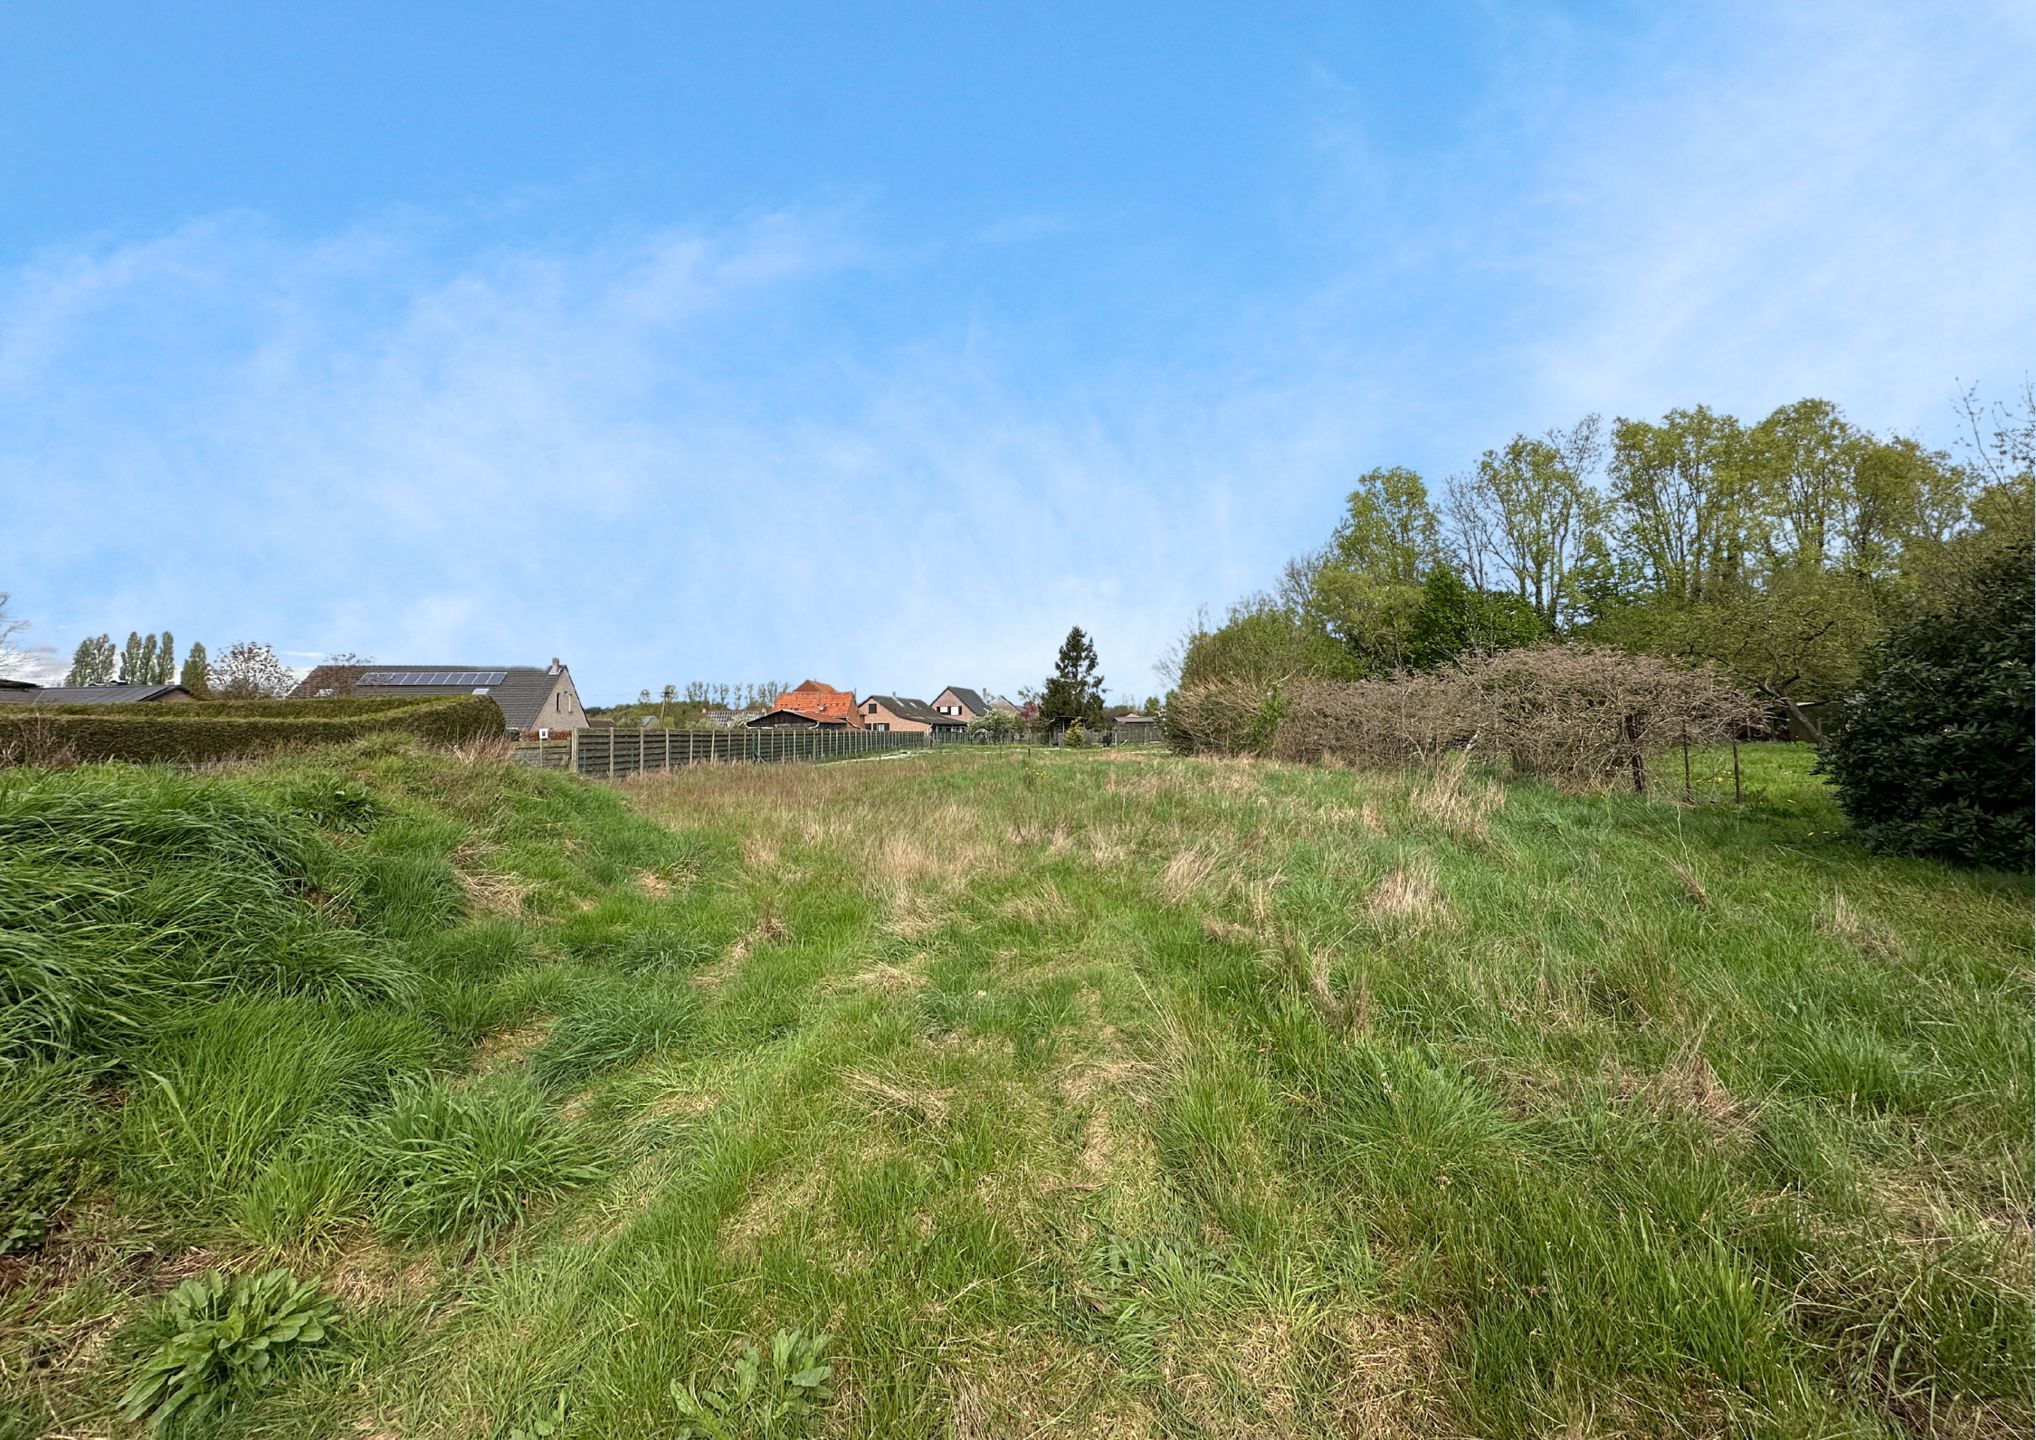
(1094, 1094)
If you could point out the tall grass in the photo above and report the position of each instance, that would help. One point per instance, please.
(1073, 1094)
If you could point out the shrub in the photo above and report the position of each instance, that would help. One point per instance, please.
(1577, 715)
(460, 1164)
(223, 1342)
(227, 730)
(1935, 757)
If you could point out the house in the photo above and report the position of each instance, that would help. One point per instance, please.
(783, 719)
(22, 692)
(1134, 726)
(532, 698)
(962, 703)
(891, 712)
(819, 702)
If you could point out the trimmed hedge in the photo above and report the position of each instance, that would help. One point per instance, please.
(229, 730)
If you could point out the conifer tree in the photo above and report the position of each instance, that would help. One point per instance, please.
(1074, 692)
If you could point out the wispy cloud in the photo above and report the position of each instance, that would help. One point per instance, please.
(655, 455)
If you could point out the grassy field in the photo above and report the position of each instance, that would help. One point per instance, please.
(1072, 1094)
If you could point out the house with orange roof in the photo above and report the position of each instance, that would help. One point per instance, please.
(817, 701)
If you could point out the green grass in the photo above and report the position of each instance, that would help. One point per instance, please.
(1073, 1094)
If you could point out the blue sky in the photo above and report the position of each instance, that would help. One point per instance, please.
(882, 343)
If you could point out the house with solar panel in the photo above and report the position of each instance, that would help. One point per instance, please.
(535, 700)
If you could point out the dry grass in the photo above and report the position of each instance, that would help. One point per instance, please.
(1409, 900)
(511, 1047)
(894, 1094)
(368, 1273)
(1389, 1387)
(1692, 885)
(488, 891)
(1845, 922)
(760, 853)
(1188, 876)
(1456, 801)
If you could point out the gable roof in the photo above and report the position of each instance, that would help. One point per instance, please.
(908, 709)
(12, 694)
(968, 697)
(520, 693)
(775, 720)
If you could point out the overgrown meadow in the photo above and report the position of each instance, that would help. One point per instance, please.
(1006, 1094)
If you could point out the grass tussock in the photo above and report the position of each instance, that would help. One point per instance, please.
(1070, 1094)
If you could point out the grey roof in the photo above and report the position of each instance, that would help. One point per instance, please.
(908, 709)
(521, 693)
(86, 694)
(970, 698)
(783, 718)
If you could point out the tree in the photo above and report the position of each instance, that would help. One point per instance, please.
(130, 659)
(1074, 692)
(998, 724)
(1679, 493)
(10, 652)
(145, 667)
(250, 671)
(1936, 754)
(1904, 497)
(196, 675)
(1365, 588)
(1455, 622)
(94, 662)
(166, 659)
(1388, 531)
(1527, 512)
(1802, 463)
(667, 697)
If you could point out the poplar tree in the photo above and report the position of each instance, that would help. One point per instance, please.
(196, 676)
(93, 662)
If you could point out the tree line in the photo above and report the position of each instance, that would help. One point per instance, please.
(1779, 549)
(249, 669)
(144, 660)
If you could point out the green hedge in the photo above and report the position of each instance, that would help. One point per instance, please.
(226, 730)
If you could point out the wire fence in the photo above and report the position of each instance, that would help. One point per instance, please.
(604, 753)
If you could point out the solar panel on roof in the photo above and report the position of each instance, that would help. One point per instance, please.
(435, 678)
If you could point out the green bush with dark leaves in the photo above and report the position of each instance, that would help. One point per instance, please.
(1935, 757)
(224, 1341)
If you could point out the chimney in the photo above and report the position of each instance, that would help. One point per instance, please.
(555, 666)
